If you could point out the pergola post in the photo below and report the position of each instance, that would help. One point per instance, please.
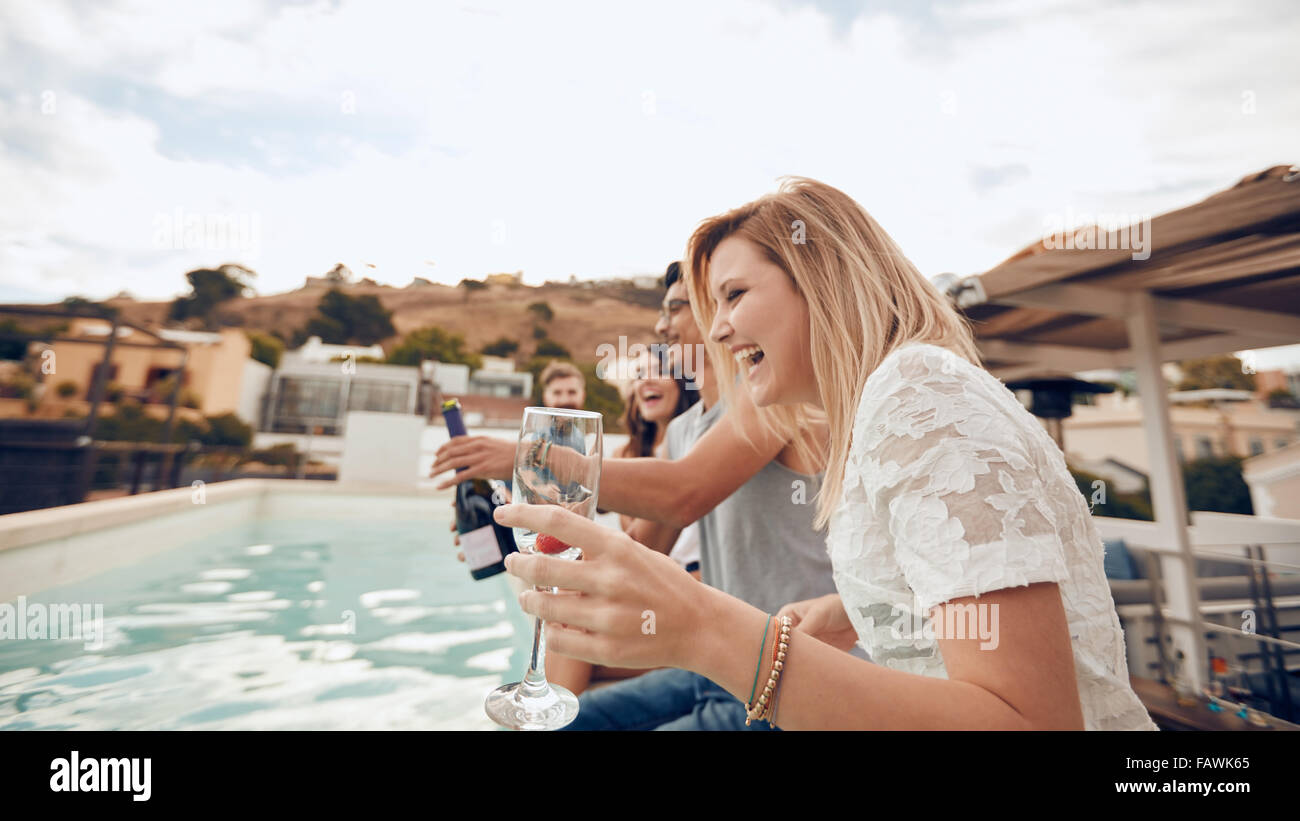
(1168, 497)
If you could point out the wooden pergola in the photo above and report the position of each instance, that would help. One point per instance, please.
(1222, 275)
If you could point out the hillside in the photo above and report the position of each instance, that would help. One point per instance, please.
(585, 317)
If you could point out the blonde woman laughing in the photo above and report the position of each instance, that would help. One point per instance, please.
(964, 557)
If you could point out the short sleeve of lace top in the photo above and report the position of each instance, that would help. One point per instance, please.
(956, 467)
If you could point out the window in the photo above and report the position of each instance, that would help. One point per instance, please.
(1256, 446)
(157, 374)
(376, 395)
(94, 372)
(1178, 448)
(1281, 443)
(303, 402)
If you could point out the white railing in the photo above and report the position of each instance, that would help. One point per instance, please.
(1280, 537)
(1260, 545)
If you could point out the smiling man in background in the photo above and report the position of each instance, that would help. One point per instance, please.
(563, 386)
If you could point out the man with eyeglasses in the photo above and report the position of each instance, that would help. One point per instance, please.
(676, 323)
(756, 542)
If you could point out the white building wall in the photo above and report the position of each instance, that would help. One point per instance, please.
(382, 448)
(252, 387)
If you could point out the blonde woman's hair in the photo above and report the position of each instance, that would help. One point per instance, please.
(864, 300)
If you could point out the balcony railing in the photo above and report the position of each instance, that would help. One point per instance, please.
(1247, 577)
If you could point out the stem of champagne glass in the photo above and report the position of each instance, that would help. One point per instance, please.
(534, 683)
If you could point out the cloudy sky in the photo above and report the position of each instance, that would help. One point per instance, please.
(455, 139)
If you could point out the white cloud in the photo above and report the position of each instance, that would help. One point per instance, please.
(597, 136)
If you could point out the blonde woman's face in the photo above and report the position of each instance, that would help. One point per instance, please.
(763, 322)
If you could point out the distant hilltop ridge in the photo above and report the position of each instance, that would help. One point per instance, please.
(341, 277)
(584, 314)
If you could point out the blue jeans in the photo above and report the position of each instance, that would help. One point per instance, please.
(662, 700)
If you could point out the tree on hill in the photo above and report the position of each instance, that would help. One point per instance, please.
(209, 287)
(434, 343)
(349, 320)
(504, 346)
(472, 285)
(541, 310)
(1215, 372)
(551, 349)
(542, 315)
(81, 305)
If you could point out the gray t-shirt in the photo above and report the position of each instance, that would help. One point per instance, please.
(758, 544)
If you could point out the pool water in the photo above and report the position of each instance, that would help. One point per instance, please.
(276, 624)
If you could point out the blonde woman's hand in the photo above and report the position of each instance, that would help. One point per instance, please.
(824, 619)
(625, 605)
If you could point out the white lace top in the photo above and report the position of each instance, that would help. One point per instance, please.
(953, 489)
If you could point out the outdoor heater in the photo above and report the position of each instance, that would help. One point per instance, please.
(1051, 399)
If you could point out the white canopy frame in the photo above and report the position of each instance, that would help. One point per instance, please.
(1242, 242)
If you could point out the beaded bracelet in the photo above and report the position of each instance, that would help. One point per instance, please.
(778, 664)
(537, 453)
(762, 711)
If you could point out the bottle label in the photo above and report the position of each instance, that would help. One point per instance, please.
(480, 548)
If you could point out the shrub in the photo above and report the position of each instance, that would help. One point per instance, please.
(282, 455)
(267, 349)
(19, 386)
(1217, 485)
(227, 429)
(434, 343)
(1117, 505)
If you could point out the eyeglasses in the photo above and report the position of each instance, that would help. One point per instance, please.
(672, 307)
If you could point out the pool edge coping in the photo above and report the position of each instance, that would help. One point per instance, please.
(34, 527)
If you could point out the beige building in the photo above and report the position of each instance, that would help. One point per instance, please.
(1277, 380)
(1112, 429)
(517, 278)
(218, 370)
(1274, 480)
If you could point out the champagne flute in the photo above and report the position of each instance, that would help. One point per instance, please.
(557, 462)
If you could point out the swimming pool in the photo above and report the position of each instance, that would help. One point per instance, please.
(278, 606)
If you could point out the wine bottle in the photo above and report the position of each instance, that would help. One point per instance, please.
(484, 542)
